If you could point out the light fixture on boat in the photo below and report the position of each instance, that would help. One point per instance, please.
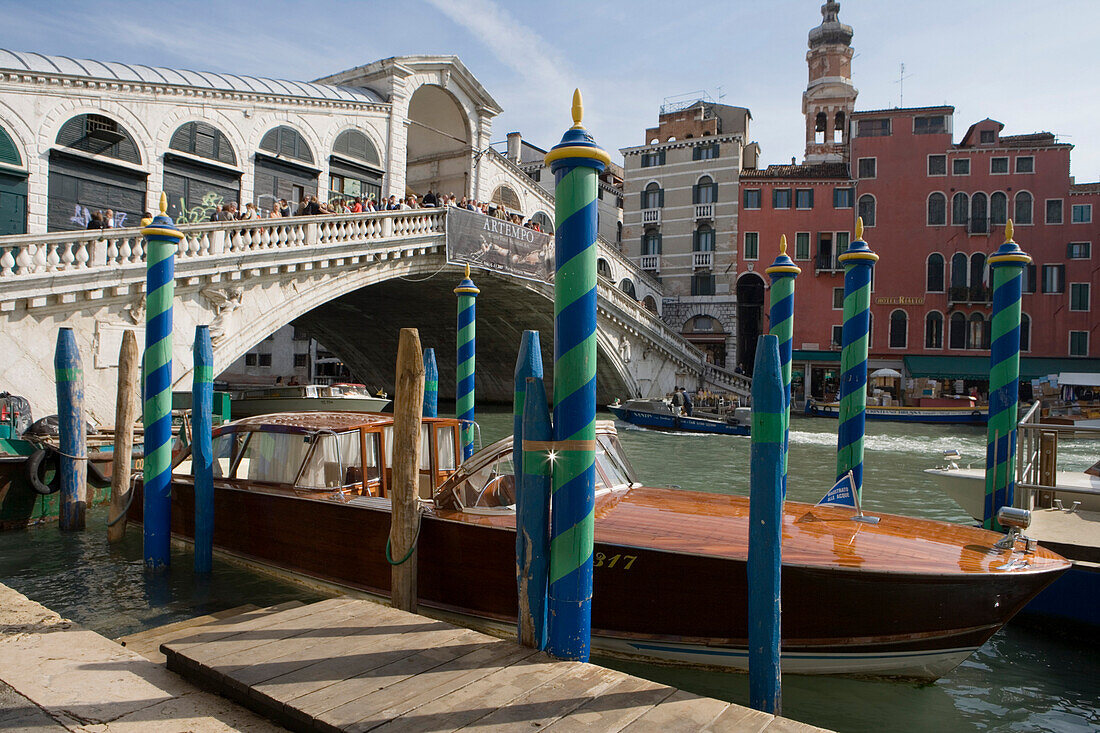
(1015, 519)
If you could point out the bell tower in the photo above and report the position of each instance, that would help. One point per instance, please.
(829, 97)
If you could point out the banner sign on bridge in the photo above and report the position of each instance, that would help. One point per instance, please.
(496, 244)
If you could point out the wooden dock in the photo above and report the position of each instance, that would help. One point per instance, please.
(354, 665)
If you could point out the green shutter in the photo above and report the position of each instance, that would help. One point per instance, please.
(8, 152)
(659, 242)
(714, 193)
(661, 198)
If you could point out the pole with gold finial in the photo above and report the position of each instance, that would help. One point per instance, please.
(467, 294)
(162, 238)
(858, 261)
(1007, 267)
(782, 273)
(576, 163)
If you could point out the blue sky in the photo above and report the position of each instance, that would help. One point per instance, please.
(1029, 64)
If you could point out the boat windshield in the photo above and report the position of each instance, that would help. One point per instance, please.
(612, 471)
(273, 457)
(335, 462)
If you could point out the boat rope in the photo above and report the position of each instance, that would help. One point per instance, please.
(389, 556)
(66, 455)
(126, 509)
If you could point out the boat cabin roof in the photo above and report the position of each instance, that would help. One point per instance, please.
(305, 423)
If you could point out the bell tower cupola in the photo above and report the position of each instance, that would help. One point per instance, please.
(830, 97)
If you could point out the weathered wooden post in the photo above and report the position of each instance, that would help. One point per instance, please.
(766, 462)
(465, 368)
(1007, 267)
(125, 407)
(73, 460)
(576, 163)
(782, 273)
(533, 516)
(858, 261)
(202, 450)
(161, 237)
(431, 384)
(408, 404)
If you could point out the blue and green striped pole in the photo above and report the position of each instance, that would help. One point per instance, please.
(72, 431)
(782, 273)
(1007, 266)
(528, 364)
(766, 474)
(431, 384)
(576, 163)
(533, 517)
(464, 377)
(162, 237)
(202, 450)
(857, 261)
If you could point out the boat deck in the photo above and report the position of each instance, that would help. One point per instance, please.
(354, 665)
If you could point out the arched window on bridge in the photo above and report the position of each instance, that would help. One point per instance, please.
(195, 188)
(650, 303)
(603, 269)
(627, 286)
(13, 188)
(284, 168)
(355, 168)
(92, 169)
(546, 224)
(506, 197)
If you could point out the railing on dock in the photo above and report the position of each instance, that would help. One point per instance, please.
(1037, 460)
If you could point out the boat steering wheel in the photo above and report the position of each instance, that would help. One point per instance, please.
(493, 483)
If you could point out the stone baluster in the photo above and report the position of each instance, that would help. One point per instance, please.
(139, 250)
(24, 260)
(66, 259)
(235, 243)
(112, 250)
(81, 254)
(7, 263)
(123, 253)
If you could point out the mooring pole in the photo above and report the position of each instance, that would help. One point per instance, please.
(576, 163)
(465, 367)
(69, 375)
(431, 384)
(161, 238)
(782, 273)
(202, 450)
(408, 407)
(857, 261)
(528, 364)
(766, 462)
(1007, 265)
(533, 516)
(125, 409)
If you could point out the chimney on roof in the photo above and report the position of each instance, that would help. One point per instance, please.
(514, 145)
(793, 159)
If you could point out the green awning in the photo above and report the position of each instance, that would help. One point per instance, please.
(977, 367)
(804, 355)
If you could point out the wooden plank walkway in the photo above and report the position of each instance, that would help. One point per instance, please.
(354, 665)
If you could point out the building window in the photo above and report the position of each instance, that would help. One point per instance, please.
(867, 167)
(752, 198)
(705, 152)
(977, 335)
(300, 360)
(1054, 211)
(867, 209)
(702, 284)
(1023, 208)
(960, 209)
(933, 125)
(937, 209)
(934, 280)
(265, 360)
(703, 239)
(781, 198)
(802, 246)
(937, 165)
(998, 166)
(899, 329)
(960, 167)
(933, 330)
(838, 299)
(651, 243)
(250, 359)
(804, 198)
(1025, 164)
(838, 336)
(752, 245)
(705, 191)
(656, 157)
(653, 197)
(985, 137)
(1031, 278)
(998, 208)
(1079, 296)
(873, 128)
(979, 223)
(1078, 343)
(1054, 277)
(960, 265)
(1025, 332)
(1082, 214)
(956, 338)
(843, 198)
(1079, 250)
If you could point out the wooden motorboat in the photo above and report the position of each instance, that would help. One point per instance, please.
(307, 494)
(657, 414)
(970, 415)
(306, 398)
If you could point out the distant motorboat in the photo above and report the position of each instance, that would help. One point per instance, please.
(657, 414)
(967, 415)
(341, 397)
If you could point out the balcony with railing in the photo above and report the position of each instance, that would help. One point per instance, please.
(651, 216)
(973, 294)
(651, 263)
(704, 211)
(825, 262)
(702, 260)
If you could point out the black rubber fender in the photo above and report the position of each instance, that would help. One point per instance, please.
(976, 413)
(38, 465)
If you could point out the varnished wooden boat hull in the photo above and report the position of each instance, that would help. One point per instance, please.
(652, 604)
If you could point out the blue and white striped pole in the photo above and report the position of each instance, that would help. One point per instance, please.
(766, 462)
(576, 163)
(1007, 266)
(202, 450)
(162, 238)
(72, 430)
(857, 261)
(431, 384)
(465, 368)
(782, 273)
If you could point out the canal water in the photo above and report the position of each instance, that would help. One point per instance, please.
(1026, 678)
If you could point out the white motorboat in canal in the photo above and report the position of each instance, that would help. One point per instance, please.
(306, 398)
